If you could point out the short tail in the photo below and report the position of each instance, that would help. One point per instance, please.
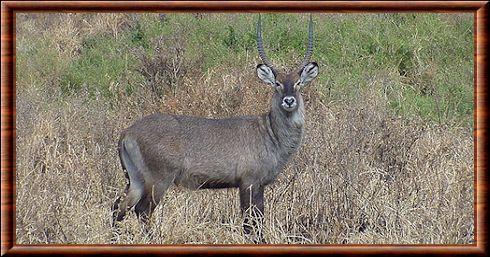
(132, 164)
(131, 161)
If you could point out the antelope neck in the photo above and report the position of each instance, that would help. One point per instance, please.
(285, 129)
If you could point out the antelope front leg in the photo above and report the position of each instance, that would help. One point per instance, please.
(252, 206)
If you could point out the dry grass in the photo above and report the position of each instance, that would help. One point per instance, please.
(363, 175)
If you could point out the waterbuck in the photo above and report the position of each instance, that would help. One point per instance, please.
(247, 152)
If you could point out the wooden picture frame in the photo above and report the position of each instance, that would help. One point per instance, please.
(480, 9)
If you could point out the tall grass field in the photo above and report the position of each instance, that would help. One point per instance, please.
(387, 155)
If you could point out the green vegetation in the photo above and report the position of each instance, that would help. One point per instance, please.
(102, 62)
(425, 60)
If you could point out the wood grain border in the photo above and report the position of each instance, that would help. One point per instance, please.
(480, 9)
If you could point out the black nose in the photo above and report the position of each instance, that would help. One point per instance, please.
(289, 101)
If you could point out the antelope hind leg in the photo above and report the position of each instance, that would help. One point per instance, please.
(150, 199)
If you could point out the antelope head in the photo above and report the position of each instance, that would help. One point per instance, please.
(287, 85)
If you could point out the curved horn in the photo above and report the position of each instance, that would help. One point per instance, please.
(260, 47)
(309, 51)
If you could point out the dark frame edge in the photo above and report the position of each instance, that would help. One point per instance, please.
(8, 112)
(480, 124)
(8, 129)
(153, 250)
(249, 6)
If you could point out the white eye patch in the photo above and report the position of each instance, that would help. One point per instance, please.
(279, 85)
(297, 85)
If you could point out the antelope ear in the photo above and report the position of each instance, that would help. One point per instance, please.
(266, 74)
(309, 72)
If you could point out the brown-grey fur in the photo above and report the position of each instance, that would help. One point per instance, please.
(247, 152)
(195, 152)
